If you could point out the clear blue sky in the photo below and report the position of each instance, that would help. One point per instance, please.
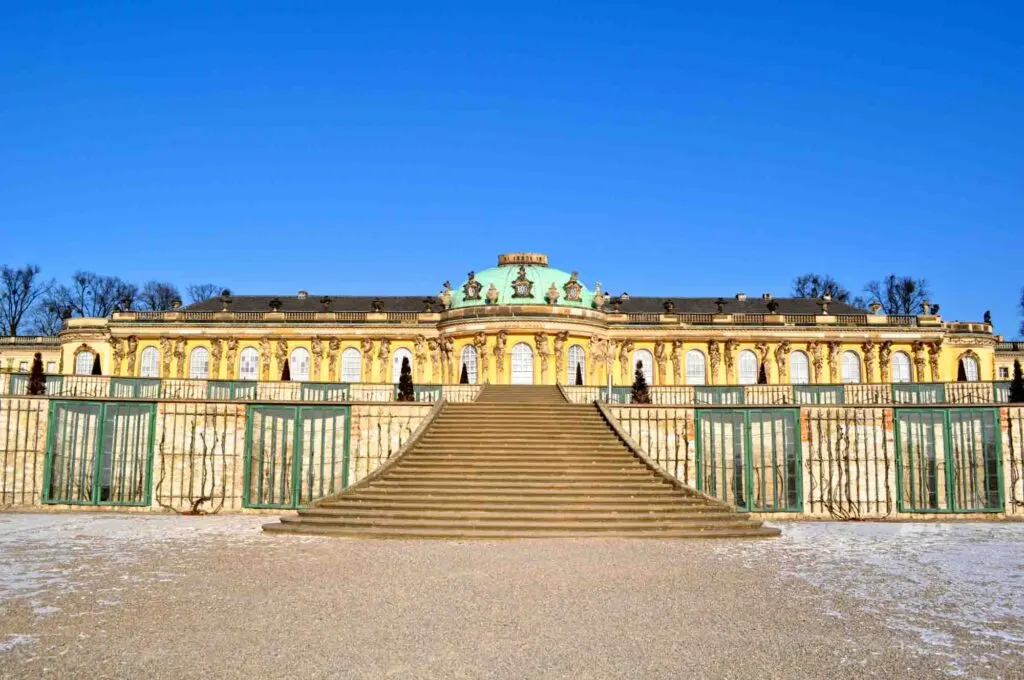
(671, 148)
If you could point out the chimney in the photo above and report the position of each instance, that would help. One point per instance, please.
(740, 297)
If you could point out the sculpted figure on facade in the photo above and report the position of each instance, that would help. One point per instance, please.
(133, 346)
(714, 360)
(782, 360)
(835, 373)
(659, 360)
(447, 357)
(560, 339)
(166, 353)
(730, 360)
(333, 345)
(231, 356)
(316, 346)
(868, 348)
(435, 360)
(383, 352)
(817, 362)
(483, 369)
(677, 361)
(117, 348)
(597, 357)
(366, 352)
(918, 351)
(763, 359)
(499, 354)
(419, 356)
(265, 358)
(216, 350)
(540, 340)
(179, 356)
(884, 353)
(625, 366)
(281, 354)
(934, 350)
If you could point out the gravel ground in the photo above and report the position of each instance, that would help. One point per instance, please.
(105, 595)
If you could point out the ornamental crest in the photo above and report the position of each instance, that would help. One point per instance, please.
(471, 291)
(573, 289)
(522, 287)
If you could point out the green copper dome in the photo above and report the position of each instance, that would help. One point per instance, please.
(521, 279)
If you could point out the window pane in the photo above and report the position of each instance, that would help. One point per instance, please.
(350, 365)
(199, 364)
(748, 368)
(469, 363)
(900, 367)
(696, 373)
(298, 364)
(851, 367)
(799, 368)
(149, 367)
(249, 364)
(83, 364)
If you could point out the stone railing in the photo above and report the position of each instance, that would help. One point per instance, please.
(44, 341)
(195, 455)
(153, 389)
(779, 395)
(841, 462)
(275, 317)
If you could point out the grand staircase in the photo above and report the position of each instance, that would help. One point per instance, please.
(520, 462)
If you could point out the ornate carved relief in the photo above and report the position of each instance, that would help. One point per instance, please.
(383, 353)
(179, 357)
(560, 340)
(118, 354)
(216, 351)
(366, 347)
(435, 360)
(541, 342)
(333, 345)
(884, 354)
(715, 358)
(573, 289)
(165, 357)
(471, 291)
(231, 357)
(625, 365)
(499, 354)
(419, 356)
(659, 360)
(868, 348)
(480, 342)
(598, 356)
(934, 351)
(133, 345)
(281, 354)
(265, 358)
(448, 363)
(316, 346)
(677, 361)
(918, 348)
(730, 361)
(782, 360)
(817, 362)
(552, 294)
(835, 372)
(762, 355)
(522, 287)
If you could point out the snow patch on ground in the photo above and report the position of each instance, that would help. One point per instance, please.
(957, 586)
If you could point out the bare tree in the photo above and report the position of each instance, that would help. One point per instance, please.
(816, 285)
(159, 296)
(201, 292)
(20, 291)
(1022, 313)
(49, 318)
(91, 295)
(898, 294)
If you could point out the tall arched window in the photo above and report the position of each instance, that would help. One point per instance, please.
(199, 364)
(396, 363)
(298, 364)
(249, 364)
(696, 371)
(469, 363)
(968, 369)
(644, 358)
(748, 368)
(83, 363)
(149, 363)
(851, 367)
(351, 365)
(576, 358)
(901, 367)
(522, 364)
(799, 368)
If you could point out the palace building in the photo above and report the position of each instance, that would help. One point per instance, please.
(521, 322)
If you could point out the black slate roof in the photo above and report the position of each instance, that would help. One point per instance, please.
(414, 303)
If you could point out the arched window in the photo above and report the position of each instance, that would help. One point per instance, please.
(351, 365)
(522, 364)
(748, 368)
(249, 364)
(576, 359)
(396, 363)
(644, 359)
(149, 363)
(901, 367)
(968, 369)
(83, 363)
(469, 363)
(851, 367)
(199, 364)
(799, 368)
(696, 372)
(298, 364)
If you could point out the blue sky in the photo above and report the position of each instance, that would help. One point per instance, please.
(664, 148)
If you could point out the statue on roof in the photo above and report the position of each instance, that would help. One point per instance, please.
(599, 297)
(492, 294)
(471, 291)
(445, 296)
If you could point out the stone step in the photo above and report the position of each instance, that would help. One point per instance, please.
(546, 477)
(470, 463)
(543, 524)
(469, 485)
(497, 534)
(555, 493)
(525, 513)
(481, 504)
(493, 498)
